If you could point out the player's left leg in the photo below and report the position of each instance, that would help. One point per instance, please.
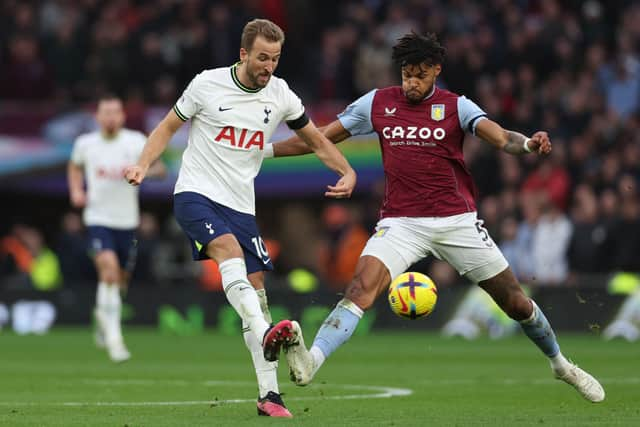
(269, 400)
(467, 246)
(508, 294)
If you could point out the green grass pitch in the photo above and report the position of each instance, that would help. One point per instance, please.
(384, 379)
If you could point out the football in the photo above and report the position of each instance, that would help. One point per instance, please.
(412, 295)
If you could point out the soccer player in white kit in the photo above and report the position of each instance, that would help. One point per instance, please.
(111, 212)
(233, 112)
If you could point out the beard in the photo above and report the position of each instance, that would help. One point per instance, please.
(260, 80)
(414, 96)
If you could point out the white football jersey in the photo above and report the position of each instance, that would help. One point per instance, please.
(111, 201)
(230, 125)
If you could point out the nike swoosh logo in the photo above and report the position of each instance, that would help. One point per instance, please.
(224, 109)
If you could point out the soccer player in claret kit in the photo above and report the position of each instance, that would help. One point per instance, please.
(429, 206)
(233, 112)
(111, 212)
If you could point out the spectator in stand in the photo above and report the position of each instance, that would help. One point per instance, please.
(586, 250)
(25, 75)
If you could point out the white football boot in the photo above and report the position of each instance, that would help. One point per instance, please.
(300, 361)
(118, 351)
(586, 385)
(109, 336)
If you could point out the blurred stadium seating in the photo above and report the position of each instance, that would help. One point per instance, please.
(569, 67)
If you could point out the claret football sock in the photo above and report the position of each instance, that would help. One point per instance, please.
(242, 296)
(539, 331)
(337, 327)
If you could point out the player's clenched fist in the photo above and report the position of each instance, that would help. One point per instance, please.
(540, 143)
(134, 174)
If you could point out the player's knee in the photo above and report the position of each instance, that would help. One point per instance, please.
(110, 275)
(360, 293)
(223, 248)
(518, 306)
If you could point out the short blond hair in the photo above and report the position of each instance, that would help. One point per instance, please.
(260, 27)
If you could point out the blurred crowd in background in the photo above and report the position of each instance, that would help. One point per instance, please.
(571, 68)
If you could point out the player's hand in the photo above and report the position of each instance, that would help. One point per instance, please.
(540, 143)
(344, 187)
(134, 174)
(78, 199)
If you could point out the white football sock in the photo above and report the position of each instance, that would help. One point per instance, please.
(559, 363)
(102, 295)
(318, 358)
(266, 372)
(262, 297)
(242, 296)
(114, 313)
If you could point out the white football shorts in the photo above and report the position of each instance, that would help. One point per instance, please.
(460, 240)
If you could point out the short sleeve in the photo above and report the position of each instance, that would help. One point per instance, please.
(293, 105)
(189, 103)
(469, 114)
(78, 152)
(356, 118)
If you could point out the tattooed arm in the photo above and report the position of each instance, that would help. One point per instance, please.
(512, 142)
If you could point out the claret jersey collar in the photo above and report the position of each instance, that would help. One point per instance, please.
(433, 90)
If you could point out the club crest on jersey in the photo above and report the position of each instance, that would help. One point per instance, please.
(266, 115)
(381, 231)
(437, 112)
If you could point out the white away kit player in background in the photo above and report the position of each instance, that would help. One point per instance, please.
(234, 111)
(111, 212)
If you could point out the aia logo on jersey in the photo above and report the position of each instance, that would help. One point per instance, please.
(113, 173)
(241, 138)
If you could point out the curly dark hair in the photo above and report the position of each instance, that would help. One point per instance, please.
(414, 49)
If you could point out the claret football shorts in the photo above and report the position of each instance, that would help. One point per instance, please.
(460, 240)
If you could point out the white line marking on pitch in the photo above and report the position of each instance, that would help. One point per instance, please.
(381, 393)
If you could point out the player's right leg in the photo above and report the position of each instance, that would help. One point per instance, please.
(211, 235)
(393, 247)
(371, 279)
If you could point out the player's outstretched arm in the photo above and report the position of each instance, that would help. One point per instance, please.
(155, 146)
(332, 157)
(512, 142)
(295, 146)
(75, 179)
